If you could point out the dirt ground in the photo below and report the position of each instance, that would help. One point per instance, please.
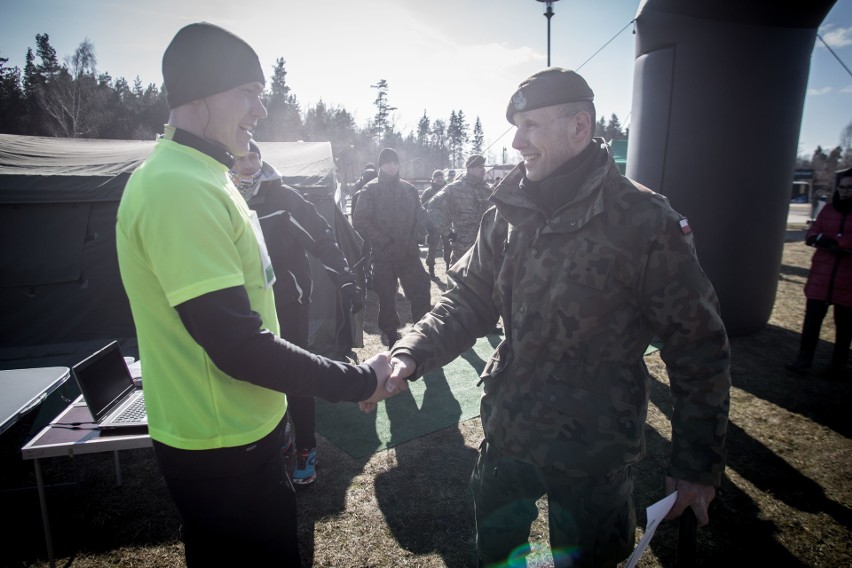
(785, 501)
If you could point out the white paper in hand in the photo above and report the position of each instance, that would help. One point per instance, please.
(655, 513)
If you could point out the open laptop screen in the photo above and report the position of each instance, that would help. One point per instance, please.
(103, 379)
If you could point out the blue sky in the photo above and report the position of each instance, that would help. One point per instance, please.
(437, 55)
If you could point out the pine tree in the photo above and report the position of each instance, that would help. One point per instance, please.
(613, 129)
(12, 102)
(478, 138)
(383, 127)
(284, 117)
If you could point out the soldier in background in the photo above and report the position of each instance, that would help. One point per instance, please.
(368, 175)
(433, 237)
(457, 209)
(389, 215)
(362, 267)
(585, 267)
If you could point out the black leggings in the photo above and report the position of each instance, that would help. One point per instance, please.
(815, 311)
(293, 319)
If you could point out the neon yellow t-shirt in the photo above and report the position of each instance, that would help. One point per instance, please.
(184, 231)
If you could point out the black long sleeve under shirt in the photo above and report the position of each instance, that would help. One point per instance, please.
(224, 325)
(233, 336)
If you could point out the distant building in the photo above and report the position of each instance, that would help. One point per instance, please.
(497, 172)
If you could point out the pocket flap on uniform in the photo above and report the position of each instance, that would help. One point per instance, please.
(590, 270)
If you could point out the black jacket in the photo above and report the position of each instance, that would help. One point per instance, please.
(292, 228)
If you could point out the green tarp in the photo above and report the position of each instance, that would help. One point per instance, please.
(59, 280)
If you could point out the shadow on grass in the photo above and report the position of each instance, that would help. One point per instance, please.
(426, 501)
(735, 519)
(324, 498)
(797, 271)
(736, 531)
(757, 367)
(136, 514)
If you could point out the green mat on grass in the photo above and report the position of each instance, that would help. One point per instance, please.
(438, 400)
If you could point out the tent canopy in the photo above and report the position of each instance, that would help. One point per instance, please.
(305, 165)
(59, 278)
(32, 167)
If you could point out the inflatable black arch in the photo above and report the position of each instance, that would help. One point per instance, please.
(704, 72)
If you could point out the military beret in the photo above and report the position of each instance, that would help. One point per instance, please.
(204, 60)
(552, 86)
(474, 161)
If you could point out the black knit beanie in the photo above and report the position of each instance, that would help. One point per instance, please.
(388, 155)
(474, 161)
(204, 60)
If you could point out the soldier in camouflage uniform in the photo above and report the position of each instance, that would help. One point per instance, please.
(389, 215)
(457, 209)
(585, 267)
(433, 237)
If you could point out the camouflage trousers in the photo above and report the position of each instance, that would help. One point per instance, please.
(387, 276)
(591, 520)
(437, 245)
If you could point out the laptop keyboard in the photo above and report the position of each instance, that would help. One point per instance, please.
(133, 413)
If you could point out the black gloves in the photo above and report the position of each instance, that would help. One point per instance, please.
(352, 300)
(821, 241)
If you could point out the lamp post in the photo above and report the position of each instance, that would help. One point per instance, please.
(548, 13)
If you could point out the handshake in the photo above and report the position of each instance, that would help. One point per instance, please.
(391, 375)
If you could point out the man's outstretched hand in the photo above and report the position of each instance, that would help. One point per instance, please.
(385, 387)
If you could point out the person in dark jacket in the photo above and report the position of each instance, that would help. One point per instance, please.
(829, 280)
(390, 217)
(292, 228)
(363, 265)
(368, 175)
(434, 238)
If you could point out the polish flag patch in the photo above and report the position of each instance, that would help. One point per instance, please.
(684, 227)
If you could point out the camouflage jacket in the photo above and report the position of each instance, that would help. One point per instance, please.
(388, 214)
(459, 208)
(430, 192)
(582, 290)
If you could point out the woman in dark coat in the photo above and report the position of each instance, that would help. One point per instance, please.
(830, 280)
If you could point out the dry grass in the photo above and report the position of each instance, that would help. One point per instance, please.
(786, 499)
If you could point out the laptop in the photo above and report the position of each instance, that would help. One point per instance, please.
(108, 388)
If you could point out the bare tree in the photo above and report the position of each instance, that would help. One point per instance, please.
(69, 98)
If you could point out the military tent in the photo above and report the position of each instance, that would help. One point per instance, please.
(60, 291)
